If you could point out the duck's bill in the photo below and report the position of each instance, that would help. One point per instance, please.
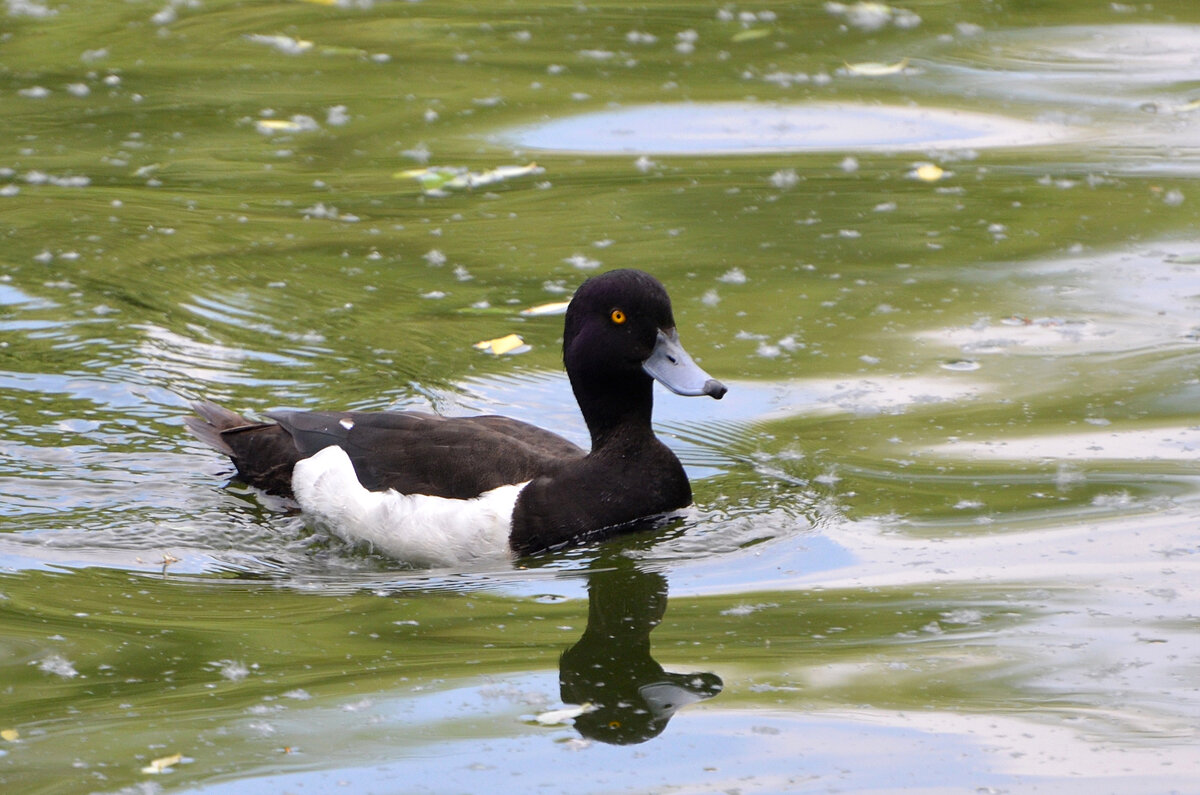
(671, 366)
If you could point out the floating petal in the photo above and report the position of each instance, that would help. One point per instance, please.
(750, 34)
(511, 343)
(437, 180)
(927, 172)
(285, 44)
(298, 123)
(552, 308)
(163, 764)
(557, 717)
(875, 69)
(432, 179)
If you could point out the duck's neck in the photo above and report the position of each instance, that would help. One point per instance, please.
(617, 412)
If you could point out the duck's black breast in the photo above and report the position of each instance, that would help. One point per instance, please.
(604, 494)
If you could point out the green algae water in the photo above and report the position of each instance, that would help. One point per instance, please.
(944, 255)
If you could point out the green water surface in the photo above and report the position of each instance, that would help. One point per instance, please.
(947, 522)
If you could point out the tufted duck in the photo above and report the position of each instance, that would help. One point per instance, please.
(434, 490)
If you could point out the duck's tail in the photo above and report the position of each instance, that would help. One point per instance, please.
(212, 421)
(263, 452)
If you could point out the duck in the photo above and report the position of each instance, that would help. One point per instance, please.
(431, 490)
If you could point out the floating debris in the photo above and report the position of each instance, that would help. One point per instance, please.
(644, 164)
(927, 172)
(10, 735)
(733, 276)
(163, 764)
(322, 210)
(439, 180)
(873, 16)
(298, 123)
(542, 310)
(59, 666)
(337, 116)
(285, 44)
(784, 178)
(961, 365)
(509, 344)
(584, 263)
(167, 560)
(233, 670)
(36, 177)
(750, 34)
(876, 69)
(558, 717)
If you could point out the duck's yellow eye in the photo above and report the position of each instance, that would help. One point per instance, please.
(617, 316)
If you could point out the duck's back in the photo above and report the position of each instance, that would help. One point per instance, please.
(411, 452)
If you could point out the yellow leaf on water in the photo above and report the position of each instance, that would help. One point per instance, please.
(875, 69)
(163, 764)
(552, 308)
(928, 172)
(10, 735)
(297, 123)
(501, 345)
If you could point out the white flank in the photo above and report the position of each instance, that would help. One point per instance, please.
(416, 528)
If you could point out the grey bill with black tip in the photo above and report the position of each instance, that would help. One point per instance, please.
(671, 366)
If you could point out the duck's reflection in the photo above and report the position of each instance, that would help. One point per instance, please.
(632, 698)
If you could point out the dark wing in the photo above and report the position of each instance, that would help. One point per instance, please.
(411, 452)
(417, 453)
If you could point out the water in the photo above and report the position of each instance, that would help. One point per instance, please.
(945, 523)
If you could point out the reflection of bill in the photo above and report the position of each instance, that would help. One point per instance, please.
(632, 698)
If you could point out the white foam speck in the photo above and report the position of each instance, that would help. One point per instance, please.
(784, 178)
(233, 670)
(58, 665)
(582, 262)
(337, 116)
(644, 164)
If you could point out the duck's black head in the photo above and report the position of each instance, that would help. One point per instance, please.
(619, 335)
